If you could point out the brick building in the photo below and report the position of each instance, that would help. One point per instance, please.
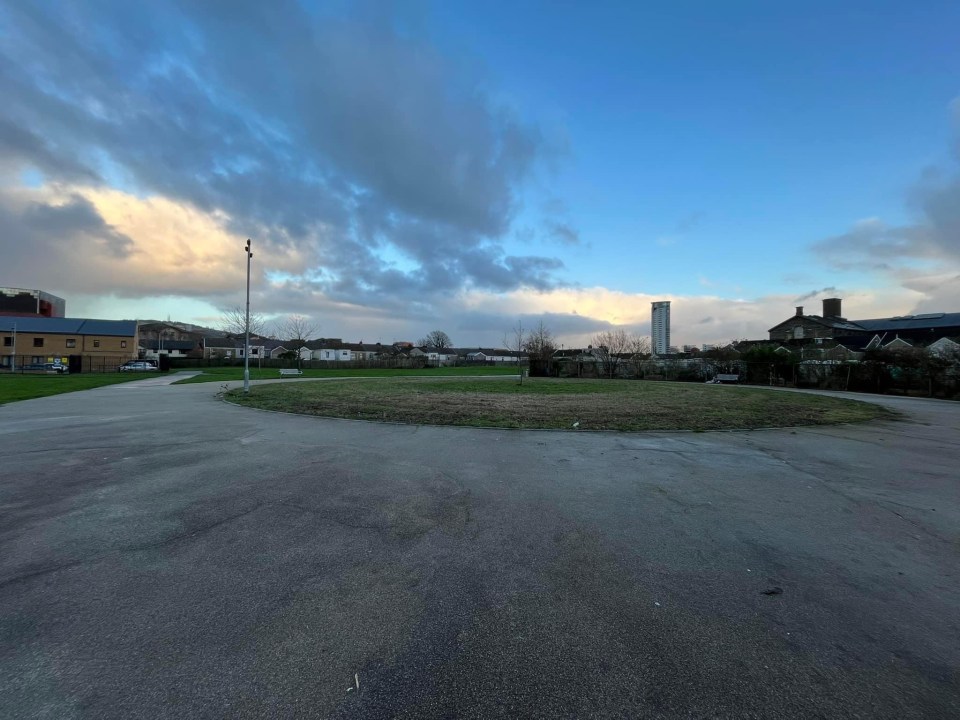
(917, 329)
(103, 344)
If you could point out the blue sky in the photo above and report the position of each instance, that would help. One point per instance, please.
(403, 167)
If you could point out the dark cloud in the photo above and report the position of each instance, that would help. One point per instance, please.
(20, 147)
(45, 230)
(562, 232)
(873, 244)
(336, 134)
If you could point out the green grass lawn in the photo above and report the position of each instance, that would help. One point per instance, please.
(558, 404)
(224, 374)
(28, 386)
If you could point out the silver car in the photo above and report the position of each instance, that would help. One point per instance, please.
(137, 366)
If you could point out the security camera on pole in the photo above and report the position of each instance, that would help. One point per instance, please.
(246, 346)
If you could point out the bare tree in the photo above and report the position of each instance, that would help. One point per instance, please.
(638, 348)
(514, 342)
(234, 322)
(296, 330)
(611, 346)
(540, 346)
(437, 338)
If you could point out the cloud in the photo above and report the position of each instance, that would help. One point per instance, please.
(871, 243)
(922, 256)
(328, 138)
(690, 222)
(562, 232)
(813, 293)
(96, 238)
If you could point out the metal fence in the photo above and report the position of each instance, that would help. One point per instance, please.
(47, 364)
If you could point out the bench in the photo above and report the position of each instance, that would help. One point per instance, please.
(727, 378)
(290, 372)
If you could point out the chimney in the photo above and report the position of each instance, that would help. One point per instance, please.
(799, 310)
(831, 307)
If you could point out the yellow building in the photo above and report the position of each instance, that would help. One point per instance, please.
(102, 344)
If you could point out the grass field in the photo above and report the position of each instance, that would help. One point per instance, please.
(27, 386)
(224, 374)
(558, 404)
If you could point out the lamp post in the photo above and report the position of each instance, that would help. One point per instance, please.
(246, 345)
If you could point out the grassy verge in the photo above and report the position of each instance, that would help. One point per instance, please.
(558, 404)
(26, 387)
(224, 374)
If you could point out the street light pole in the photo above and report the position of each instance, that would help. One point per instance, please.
(246, 347)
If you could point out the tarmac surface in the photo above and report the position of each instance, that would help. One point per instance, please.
(166, 555)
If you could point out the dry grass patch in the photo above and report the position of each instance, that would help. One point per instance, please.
(558, 404)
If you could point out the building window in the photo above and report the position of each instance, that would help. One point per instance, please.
(8, 342)
(71, 343)
(96, 343)
(123, 343)
(38, 342)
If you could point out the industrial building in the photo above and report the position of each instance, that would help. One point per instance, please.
(920, 329)
(31, 303)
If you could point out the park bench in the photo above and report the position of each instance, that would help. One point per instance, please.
(727, 378)
(290, 372)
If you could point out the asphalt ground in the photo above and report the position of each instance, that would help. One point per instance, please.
(166, 555)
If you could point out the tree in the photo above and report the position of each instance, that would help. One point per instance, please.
(437, 338)
(766, 364)
(638, 348)
(610, 346)
(234, 322)
(514, 342)
(296, 330)
(540, 347)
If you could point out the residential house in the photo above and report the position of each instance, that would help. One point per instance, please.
(436, 356)
(493, 355)
(232, 348)
(945, 347)
(171, 348)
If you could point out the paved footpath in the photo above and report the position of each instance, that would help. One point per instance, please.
(166, 555)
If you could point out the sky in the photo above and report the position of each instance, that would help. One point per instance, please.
(403, 167)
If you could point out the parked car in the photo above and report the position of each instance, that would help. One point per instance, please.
(56, 367)
(137, 366)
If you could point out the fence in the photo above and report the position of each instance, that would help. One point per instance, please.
(35, 364)
(870, 377)
(883, 378)
(383, 363)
